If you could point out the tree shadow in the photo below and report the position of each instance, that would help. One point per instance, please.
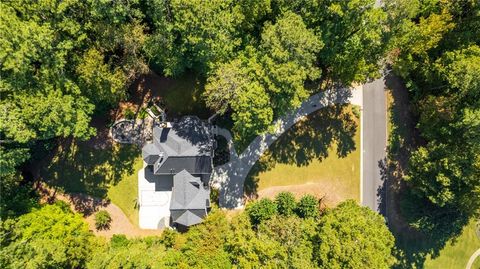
(182, 96)
(308, 140)
(78, 167)
(405, 211)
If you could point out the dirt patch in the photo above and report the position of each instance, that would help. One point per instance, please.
(330, 195)
(88, 206)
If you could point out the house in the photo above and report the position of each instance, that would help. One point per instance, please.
(174, 185)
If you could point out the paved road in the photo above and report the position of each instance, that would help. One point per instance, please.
(374, 142)
(230, 177)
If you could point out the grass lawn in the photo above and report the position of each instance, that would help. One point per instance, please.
(108, 173)
(320, 155)
(456, 255)
(125, 193)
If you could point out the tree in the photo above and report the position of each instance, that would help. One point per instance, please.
(203, 244)
(354, 35)
(350, 236)
(286, 203)
(261, 210)
(224, 84)
(49, 237)
(307, 207)
(15, 198)
(295, 235)
(46, 114)
(100, 84)
(266, 82)
(197, 34)
(248, 249)
(288, 50)
(252, 111)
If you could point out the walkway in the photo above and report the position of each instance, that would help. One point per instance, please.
(474, 256)
(230, 177)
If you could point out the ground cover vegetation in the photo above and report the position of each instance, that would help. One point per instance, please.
(319, 155)
(63, 63)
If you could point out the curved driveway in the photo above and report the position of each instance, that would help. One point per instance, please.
(230, 177)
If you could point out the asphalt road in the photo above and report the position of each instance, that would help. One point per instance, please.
(374, 141)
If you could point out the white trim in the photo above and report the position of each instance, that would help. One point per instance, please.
(361, 149)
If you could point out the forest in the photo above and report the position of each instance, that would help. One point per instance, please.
(62, 63)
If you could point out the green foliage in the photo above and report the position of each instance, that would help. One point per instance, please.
(288, 50)
(101, 84)
(119, 240)
(248, 249)
(437, 55)
(15, 198)
(49, 237)
(259, 84)
(193, 34)
(286, 203)
(102, 220)
(137, 253)
(354, 35)
(204, 243)
(307, 207)
(295, 235)
(261, 210)
(129, 114)
(350, 236)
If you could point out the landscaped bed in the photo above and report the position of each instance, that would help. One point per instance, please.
(320, 156)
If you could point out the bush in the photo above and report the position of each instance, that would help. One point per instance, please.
(119, 240)
(142, 114)
(261, 210)
(286, 203)
(308, 207)
(129, 114)
(102, 220)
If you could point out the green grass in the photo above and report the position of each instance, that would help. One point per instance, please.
(111, 172)
(125, 193)
(476, 264)
(456, 253)
(324, 149)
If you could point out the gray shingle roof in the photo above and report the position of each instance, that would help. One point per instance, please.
(185, 138)
(193, 165)
(150, 153)
(190, 199)
(186, 145)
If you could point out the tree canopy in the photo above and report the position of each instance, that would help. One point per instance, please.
(49, 237)
(350, 236)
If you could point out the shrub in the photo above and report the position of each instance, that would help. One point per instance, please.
(129, 114)
(261, 210)
(102, 220)
(142, 114)
(308, 207)
(119, 240)
(286, 203)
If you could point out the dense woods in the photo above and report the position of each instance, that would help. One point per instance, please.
(64, 62)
